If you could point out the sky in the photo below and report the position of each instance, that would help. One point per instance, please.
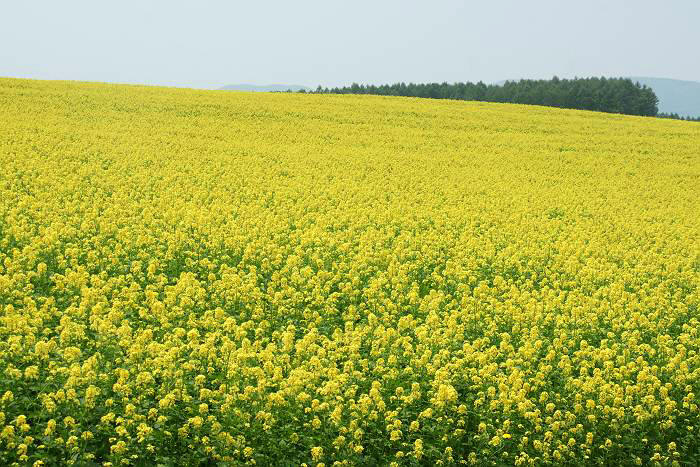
(208, 44)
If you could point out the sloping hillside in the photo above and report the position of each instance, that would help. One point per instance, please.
(216, 278)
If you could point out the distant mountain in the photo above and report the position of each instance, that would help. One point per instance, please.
(675, 96)
(265, 88)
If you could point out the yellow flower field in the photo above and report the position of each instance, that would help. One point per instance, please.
(206, 277)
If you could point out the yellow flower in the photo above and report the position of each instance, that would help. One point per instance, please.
(316, 453)
(418, 448)
(31, 372)
(118, 448)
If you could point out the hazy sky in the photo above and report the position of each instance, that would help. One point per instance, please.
(311, 42)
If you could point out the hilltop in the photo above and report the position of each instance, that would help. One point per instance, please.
(265, 87)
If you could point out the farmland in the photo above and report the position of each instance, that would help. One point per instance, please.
(201, 277)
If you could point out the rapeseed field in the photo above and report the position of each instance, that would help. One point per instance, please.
(213, 278)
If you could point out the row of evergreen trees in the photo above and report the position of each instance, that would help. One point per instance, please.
(617, 95)
(675, 116)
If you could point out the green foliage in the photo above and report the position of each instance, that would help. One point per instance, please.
(675, 116)
(616, 95)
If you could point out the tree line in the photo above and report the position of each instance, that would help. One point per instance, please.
(615, 95)
(675, 116)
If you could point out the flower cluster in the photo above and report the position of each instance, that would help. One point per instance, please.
(197, 277)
